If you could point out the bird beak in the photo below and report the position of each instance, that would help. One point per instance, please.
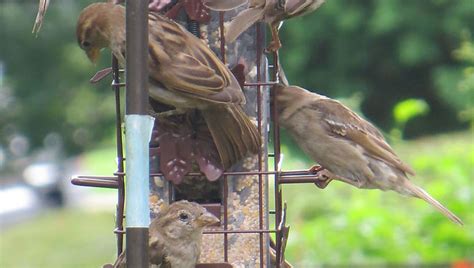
(93, 54)
(207, 219)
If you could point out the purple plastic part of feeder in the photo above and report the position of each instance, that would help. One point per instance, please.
(181, 146)
(195, 10)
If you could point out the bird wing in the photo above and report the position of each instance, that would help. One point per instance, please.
(301, 7)
(156, 252)
(156, 242)
(297, 6)
(182, 62)
(219, 5)
(243, 21)
(343, 122)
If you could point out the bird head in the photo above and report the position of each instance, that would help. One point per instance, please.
(192, 215)
(291, 99)
(100, 25)
(183, 219)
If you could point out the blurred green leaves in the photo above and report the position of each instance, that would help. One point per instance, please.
(406, 110)
(465, 53)
(385, 51)
(48, 79)
(456, 85)
(415, 49)
(389, 51)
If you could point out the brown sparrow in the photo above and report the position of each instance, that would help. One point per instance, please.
(175, 236)
(347, 147)
(183, 73)
(272, 12)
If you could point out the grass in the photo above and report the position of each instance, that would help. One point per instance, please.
(57, 239)
(337, 225)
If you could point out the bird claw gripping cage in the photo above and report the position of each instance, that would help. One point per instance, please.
(241, 199)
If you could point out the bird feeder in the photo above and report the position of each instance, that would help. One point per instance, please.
(181, 168)
(240, 196)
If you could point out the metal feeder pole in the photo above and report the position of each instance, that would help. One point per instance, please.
(138, 127)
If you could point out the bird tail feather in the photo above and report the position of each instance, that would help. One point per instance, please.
(242, 22)
(422, 194)
(233, 133)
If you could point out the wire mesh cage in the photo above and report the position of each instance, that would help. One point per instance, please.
(241, 197)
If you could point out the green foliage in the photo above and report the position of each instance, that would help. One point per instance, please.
(388, 50)
(406, 110)
(64, 238)
(465, 89)
(46, 79)
(385, 51)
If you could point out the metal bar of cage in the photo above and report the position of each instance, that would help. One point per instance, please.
(119, 231)
(225, 178)
(226, 220)
(277, 158)
(111, 182)
(258, 231)
(260, 131)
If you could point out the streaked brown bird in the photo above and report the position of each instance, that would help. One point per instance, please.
(347, 147)
(273, 12)
(175, 236)
(183, 73)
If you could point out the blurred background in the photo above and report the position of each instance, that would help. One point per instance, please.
(407, 66)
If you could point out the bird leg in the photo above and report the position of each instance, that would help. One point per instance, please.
(322, 175)
(275, 44)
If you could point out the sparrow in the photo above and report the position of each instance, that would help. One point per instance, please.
(347, 147)
(175, 236)
(183, 73)
(273, 12)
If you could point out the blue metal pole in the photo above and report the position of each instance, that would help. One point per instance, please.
(138, 127)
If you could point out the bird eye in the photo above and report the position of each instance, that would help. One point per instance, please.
(86, 44)
(183, 216)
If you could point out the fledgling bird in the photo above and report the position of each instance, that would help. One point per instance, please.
(273, 12)
(175, 236)
(347, 147)
(183, 73)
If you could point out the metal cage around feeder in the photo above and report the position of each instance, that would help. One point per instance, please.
(233, 242)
